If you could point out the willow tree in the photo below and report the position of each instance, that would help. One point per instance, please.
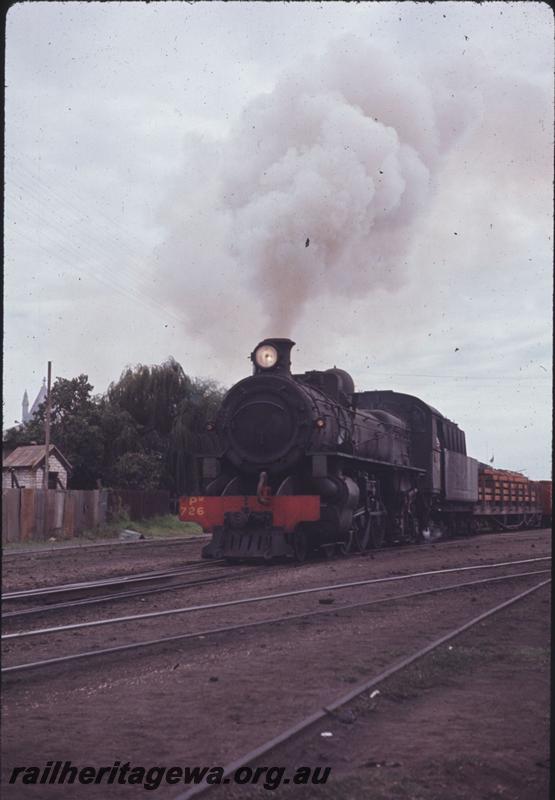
(190, 421)
(170, 410)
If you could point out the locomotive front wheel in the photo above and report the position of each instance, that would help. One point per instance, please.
(300, 545)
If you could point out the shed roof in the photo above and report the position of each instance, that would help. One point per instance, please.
(32, 456)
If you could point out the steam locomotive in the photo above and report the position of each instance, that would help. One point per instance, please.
(297, 463)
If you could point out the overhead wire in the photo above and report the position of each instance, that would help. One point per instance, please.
(464, 377)
(69, 190)
(67, 256)
(136, 287)
(75, 211)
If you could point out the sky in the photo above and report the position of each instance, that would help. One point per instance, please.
(372, 180)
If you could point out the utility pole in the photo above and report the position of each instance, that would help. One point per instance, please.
(47, 433)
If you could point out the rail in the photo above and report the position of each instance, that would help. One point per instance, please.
(248, 625)
(260, 598)
(343, 699)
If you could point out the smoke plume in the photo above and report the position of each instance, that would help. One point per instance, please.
(316, 189)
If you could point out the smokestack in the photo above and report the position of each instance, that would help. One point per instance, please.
(272, 355)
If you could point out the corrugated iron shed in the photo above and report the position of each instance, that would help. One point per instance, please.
(32, 456)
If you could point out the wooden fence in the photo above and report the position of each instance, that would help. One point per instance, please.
(138, 504)
(34, 514)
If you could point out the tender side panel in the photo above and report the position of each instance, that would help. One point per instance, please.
(287, 510)
(461, 477)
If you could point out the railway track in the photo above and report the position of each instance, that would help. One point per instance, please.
(49, 593)
(389, 580)
(116, 545)
(196, 574)
(66, 588)
(335, 703)
(122, 595)
(8, 555)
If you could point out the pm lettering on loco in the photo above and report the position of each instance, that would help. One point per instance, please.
(287, 511)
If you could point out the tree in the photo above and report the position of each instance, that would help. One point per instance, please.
(169, 409)
(189, 425)
(151, 395)
(22, 435)
(75, 428)
(137, 471)
(69, 398)
(120, 433)
(142, 434)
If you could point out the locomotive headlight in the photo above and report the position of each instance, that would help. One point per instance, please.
(320, 423)
(266, 356)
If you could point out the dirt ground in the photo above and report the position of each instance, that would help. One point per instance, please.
(256, 581)
(40, 567)
(469, 721)
(207, 701)
(49, 568)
